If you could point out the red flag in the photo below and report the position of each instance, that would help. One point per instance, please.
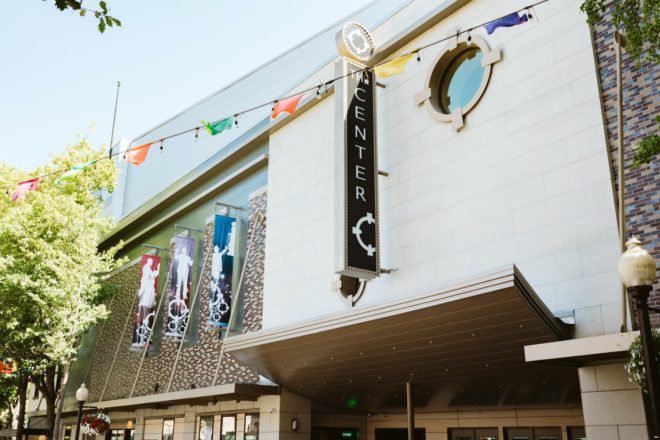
(24, 187)
(286, 105)
(5, 368)
(137, 155)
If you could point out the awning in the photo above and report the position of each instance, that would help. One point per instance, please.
(197, 396)
(461, 345)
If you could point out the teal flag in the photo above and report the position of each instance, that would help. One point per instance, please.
(218, 127)
(73, 172)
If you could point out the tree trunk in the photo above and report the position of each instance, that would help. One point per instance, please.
(22, 396)
(63, 376)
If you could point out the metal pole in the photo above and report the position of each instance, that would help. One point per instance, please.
(192, 306)
(259, 220)
(114, 118)
(640, 295)
(121, 338)
(619, 41)
(80, 410)
(151, 335)
(410, 406)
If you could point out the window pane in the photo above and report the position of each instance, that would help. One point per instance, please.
(251, 426)
(461, 82)
(67, 433)
(206, 428)
(228, 428)
(168, 429)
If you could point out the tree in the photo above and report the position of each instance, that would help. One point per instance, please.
(8, 395)
(50, 291)
(104, 19)
(638, 19)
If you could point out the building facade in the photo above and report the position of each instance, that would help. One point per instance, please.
(497, 308)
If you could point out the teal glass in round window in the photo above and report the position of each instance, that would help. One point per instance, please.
(461, 80)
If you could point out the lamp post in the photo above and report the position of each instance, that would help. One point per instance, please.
(81, 396)
(637, 271)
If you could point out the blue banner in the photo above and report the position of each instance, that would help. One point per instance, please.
(222, 267)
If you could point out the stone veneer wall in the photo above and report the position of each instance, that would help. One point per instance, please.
(197, 362)
(640, 107)
(254, 272)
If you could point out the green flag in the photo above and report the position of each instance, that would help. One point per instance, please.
(218, 127)
(74, 171)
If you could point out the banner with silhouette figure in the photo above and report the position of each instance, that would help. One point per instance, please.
(179, 290)
(146, 301)
(222, 267)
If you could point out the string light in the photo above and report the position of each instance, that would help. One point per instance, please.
(419, 58)
(331, 81)
(236, 120)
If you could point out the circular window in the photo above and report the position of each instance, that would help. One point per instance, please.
(460, 81)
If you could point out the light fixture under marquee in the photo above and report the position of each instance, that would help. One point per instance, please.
(354, 41)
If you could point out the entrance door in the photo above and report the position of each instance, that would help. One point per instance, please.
(399, 434)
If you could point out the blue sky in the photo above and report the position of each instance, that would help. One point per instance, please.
(58, 73)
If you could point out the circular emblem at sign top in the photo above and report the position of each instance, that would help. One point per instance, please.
(354, 41)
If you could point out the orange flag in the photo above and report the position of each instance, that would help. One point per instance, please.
(137, 155)
(286, 105)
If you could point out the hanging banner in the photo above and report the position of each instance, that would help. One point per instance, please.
(178, 297)
(357, 245)
(222, 267)
(146, 301)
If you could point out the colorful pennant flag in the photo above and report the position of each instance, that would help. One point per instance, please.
(218, 127)
(6, 368)
(24, 187)
(513, 19)
(394, 67)
(137, 155)
(73, 172)
(286, 105)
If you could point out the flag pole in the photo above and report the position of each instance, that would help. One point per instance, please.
(114, 118)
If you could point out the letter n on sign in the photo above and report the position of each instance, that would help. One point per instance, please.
(357, 246)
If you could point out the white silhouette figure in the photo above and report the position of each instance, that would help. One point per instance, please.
(147, 292)
(231, 242)
(184, 264)
(216, 262)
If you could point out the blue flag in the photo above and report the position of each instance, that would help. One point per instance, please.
(513, 19)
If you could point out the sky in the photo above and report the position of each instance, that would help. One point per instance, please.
(58, 74)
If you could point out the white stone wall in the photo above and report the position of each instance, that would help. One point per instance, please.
(526, 181)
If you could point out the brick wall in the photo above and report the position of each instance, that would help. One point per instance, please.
(641, 105)
(197, 363)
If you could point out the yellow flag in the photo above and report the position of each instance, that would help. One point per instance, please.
(394, 67)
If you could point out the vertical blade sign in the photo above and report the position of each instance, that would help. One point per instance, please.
(357, 170)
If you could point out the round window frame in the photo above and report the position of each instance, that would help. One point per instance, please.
(429, 97)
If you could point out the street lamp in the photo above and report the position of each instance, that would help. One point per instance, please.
(81, 396)
(637, 271)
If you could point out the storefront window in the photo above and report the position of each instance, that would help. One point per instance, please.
(206, 428)
(168, 429)
(251, 426)
(116, 434)
(228, 428)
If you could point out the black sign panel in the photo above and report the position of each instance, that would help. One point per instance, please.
(360, 174)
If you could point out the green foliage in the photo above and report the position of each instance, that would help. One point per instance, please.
(635, 365)
(638, 19)
(8, 398)
(102, 14)
(647, 148)
(50, 290)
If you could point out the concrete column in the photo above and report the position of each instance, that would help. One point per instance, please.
(613, 408)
